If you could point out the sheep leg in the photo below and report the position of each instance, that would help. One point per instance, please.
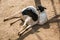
(10, 18)
(22, 32)
(16, 21)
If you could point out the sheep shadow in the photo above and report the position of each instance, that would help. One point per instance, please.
(36, 27)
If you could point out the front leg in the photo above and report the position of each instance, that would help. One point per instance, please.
(22, 32)
(16, 21)
(13, 16)
(10, 18)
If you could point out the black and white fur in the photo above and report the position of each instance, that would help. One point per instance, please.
(33, 17)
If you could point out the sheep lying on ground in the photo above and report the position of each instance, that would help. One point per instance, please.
(32, 17)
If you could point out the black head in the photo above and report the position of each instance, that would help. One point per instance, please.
(41, 8)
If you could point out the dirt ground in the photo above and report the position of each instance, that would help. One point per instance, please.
(48, 31)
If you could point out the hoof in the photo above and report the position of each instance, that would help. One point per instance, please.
(19, 34)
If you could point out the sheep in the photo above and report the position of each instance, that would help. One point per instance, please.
(32, 17)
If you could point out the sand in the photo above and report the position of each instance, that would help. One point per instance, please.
(48, 31)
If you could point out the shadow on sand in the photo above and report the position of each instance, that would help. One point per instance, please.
(36, 27)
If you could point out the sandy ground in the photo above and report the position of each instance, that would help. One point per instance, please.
(49, 31)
